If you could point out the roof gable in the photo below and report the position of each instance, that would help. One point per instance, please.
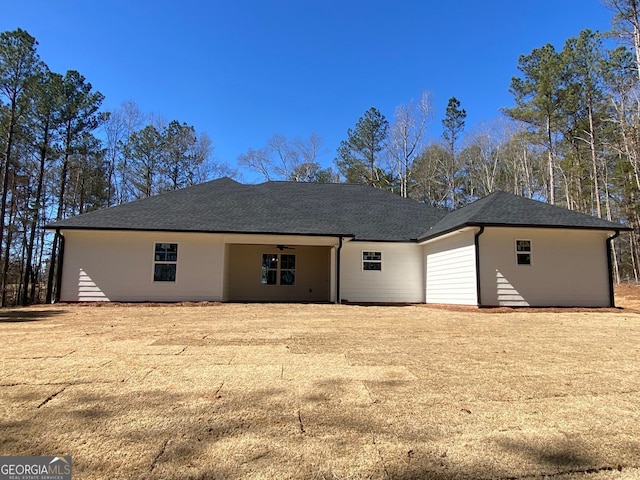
(505, 209)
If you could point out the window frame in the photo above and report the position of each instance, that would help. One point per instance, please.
(528, 253)
(264, 280)
(279, 270)
(291, 270)
(164, 261)
(371, 261)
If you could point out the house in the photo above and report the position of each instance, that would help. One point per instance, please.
(308, 242)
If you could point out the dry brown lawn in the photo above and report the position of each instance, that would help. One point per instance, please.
(324, 391)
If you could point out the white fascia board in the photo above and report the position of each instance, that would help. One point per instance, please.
(450, 234)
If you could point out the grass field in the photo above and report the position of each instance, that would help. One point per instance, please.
(324, 391)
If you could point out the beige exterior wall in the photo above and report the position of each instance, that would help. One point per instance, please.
(118, 266)
(568, 268)
(312, 275)
(451, 269)
(400, 280)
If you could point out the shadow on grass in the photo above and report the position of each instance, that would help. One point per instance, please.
(563, 456)
(219, 434)
(18, 316)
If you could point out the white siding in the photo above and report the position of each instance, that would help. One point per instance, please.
(400, 280)
(451, 269)
(118, 266)
(568, 268)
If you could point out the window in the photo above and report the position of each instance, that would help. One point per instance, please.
(278, 269)
(269, 268)
(372, 261)
(523, 252)
(165, 261)
(287, 269)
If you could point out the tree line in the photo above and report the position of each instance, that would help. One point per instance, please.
(572, 138)
(61, 155)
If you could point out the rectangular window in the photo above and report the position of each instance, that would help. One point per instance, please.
(269, 268)
(372, 261)
(523, 252)
(278, 269)
(287, 269)
(165, 262)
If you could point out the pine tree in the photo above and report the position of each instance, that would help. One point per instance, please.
(359, 155)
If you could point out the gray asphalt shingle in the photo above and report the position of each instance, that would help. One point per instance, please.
(364, 212)
(224, 205)
(505, 209)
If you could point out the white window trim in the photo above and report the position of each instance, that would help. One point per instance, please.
(530, 252)
(279, 269)
(154, 262)
(363, 261)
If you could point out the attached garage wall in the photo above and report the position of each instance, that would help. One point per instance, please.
(244, 275)
(400, 280)
(118, 266)
(451, 269)
(568, 268)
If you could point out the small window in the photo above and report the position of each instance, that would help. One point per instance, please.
(372, 261)
(278, 269)
(165, 262)
(523, 252)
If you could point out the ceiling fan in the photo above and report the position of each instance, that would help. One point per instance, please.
(284, 247)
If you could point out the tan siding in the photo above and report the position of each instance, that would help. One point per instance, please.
(401, 278)
(312, 282)
(450, 270)
(568, 268)
(225, 277)
(118, 266)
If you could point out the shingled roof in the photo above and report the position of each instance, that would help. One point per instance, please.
(338, 209)
(501, 209)
(290, 208)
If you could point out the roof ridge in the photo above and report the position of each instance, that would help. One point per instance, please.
(486, 203)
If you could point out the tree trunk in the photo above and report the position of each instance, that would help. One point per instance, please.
(34, 219)
(552, 170)
(7, 258)
(56, 239)
(594, 164)
(36, 274)
(6, 175)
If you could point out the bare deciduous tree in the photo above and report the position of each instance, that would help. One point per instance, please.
(407, 135)
(284, 159)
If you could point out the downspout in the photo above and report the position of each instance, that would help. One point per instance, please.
(476, 243)
(56, 298)
(338, 271)
(612, 300)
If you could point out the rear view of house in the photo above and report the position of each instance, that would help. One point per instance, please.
(307, 242)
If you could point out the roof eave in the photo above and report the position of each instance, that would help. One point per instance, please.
(613, 228)
(174, 230)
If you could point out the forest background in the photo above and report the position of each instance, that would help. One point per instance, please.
(571, 138)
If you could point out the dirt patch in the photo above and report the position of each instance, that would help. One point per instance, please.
(323, 391)
(628, 296)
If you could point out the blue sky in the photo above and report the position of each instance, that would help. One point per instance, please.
(242, 70)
